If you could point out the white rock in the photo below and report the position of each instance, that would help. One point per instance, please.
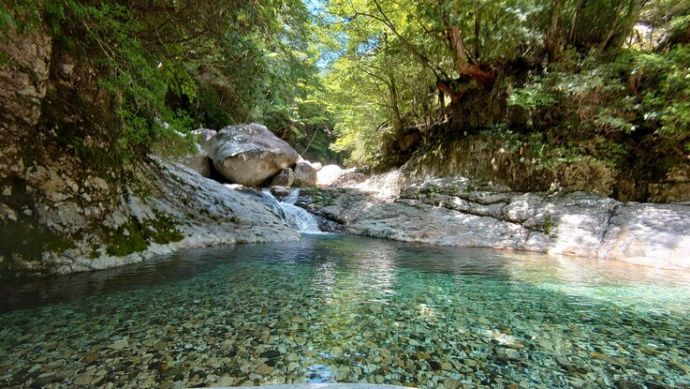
(572, 224)
(328, 174)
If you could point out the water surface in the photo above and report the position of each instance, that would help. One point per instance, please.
(349, 309)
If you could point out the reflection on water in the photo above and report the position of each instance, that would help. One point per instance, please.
(349, 309)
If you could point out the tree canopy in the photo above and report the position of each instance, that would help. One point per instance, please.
(382, 76)
(582, 68)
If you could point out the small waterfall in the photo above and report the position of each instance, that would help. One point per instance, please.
(296, 217)
(292, 197)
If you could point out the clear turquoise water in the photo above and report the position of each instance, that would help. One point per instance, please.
(349, 309)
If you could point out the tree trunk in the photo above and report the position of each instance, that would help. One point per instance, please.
(442, 103)
(553, 39)
(457, 48)
(393, 89)
(573, 23)
(464, 65)
(623, 26)
(455, 41)
(477, 28)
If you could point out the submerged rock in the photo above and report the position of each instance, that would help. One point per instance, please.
(119, 344)
(250, 154)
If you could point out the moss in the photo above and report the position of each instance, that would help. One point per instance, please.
(320, 197)
(548, 225)
(430, 191)
(124, 243)
(25, 237)
(162, 230)
(325, 201)
(133, 237)
(95, 253)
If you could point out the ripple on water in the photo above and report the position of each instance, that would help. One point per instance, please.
(347, 309)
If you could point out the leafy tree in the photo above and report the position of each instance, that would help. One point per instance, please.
(572, 69)
(171, 65)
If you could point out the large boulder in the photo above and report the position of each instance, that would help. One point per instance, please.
(305, 174)
(285, 178)
(205, 138)
(250, 154)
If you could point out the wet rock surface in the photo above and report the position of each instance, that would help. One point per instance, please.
(457, 212)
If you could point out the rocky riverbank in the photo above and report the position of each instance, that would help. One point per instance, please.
(462, 213)
(78, 191)
(169, 208)
(67, 204)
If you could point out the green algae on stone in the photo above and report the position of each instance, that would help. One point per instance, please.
(23, 237)
(133, 237)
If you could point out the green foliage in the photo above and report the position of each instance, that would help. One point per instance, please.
(666, 96)
(531, 96)
(6, 20)
(602, 98)
(19, 14)
(138, 78)
(574, 70)
(170, 66)
(571, 74)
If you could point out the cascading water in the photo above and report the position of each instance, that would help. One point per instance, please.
(292, 197)
(296, 217)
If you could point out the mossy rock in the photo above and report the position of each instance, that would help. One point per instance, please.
(134, 237)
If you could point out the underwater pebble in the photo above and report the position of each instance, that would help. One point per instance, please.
(261, 322)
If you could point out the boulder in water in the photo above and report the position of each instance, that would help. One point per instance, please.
(250, 154)
(305, 174)
(285, 178)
